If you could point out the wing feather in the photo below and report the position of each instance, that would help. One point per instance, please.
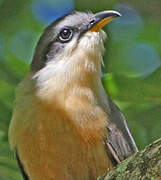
(120, 143)
(25, 176)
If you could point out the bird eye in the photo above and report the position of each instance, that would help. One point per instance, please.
(92, 22)
(65, 35)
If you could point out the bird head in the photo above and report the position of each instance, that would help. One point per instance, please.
(78, 30)
(71, 46)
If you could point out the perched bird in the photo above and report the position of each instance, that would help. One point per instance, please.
(64, 126)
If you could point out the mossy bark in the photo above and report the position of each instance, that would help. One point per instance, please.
(144, 165)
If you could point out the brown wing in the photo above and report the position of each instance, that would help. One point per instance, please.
(120, 143)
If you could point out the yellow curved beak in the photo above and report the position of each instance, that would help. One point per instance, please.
(102, 18)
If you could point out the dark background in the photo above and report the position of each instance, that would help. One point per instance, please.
(132, 72)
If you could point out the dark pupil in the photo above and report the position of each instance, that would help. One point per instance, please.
(92, 22)
(65, 33)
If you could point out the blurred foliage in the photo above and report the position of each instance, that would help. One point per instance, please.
(132, 61)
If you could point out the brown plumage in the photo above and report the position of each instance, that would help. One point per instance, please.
(64, 126)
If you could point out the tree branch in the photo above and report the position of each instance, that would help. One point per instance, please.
(144, 165)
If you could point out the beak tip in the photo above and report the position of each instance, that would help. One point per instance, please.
(116, 14)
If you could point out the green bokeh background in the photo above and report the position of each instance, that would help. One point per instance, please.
(132, 72)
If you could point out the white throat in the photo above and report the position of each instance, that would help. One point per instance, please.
(78, 66)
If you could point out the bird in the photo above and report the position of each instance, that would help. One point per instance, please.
(64, 126)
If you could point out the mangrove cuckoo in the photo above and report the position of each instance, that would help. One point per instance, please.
(64, 126)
